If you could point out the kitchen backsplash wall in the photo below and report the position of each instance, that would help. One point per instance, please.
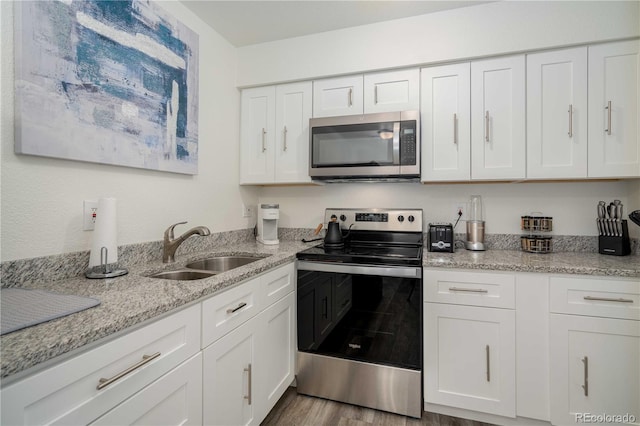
(571, 204)
(42, 198)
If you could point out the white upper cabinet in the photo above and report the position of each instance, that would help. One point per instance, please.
(392, 91)
(557, 114)
(257, 126)
(293, 111)
(445, 114)
(274, 134)
(338, 96)
(375, 92)
(614, 80)
(498, 118)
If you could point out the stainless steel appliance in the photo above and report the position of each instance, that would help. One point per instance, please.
(365, 147)
(359, 312)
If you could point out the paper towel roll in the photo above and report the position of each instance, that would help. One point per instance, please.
(105, 233)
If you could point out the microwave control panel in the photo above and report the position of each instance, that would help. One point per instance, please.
(408, 138)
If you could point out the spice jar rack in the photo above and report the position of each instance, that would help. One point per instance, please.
(537, 228)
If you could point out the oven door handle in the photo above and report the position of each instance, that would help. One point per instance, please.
(348, 268)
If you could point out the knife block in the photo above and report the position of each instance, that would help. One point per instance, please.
(615, 246)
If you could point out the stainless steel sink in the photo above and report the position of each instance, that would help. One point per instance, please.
(222, 263)
(182, 275)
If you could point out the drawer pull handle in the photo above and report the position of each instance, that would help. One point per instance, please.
(585, 386)
(608, 299)
(469, 290)
(103, 383)
(248, 396)
(237, 308)
(488, 353)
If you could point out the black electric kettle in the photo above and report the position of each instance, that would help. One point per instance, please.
(333, 238)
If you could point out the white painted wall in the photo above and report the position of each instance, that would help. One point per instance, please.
(42, 198)
(483, 30)
(572, 205)
(465, 33)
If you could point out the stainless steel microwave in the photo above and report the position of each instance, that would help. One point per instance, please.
(365, 147)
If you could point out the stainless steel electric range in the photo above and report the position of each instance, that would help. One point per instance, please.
(359, 312)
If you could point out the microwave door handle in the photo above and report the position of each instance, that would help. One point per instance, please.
(396, 143)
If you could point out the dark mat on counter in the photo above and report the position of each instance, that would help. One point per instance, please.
(21, 308)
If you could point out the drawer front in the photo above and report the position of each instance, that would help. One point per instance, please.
(276, 284)
(225, 311)
(68, 393)
(469, 288)
(595, 296)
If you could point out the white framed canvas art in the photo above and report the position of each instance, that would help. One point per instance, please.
(112, 82)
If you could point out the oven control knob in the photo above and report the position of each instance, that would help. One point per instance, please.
(400, 218)
(334, 217)
(411, 218)
(343, 217)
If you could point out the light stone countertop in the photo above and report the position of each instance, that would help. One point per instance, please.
(134, 298)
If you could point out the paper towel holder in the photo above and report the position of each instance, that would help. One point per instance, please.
(104, 270)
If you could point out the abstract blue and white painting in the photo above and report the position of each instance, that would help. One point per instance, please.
(113, 82)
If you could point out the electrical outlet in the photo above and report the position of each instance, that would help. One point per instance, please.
(247, 211)
(90, 212)
(460, 207)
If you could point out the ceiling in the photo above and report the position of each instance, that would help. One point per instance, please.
(244, 23)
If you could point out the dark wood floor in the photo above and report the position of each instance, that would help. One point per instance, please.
(300, 410)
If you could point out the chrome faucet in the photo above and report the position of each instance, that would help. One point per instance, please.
(171, 244)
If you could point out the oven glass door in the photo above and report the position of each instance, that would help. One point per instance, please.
(368, 318)
(356, 145)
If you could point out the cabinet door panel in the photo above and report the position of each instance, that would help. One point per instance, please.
(470, 358)
(614, 139)
(293, 111)
(277, 348)
(257, 138)
(595, 367)
(392, 91)
(557, 114)
(498, 118)
(446, 103)
(227, 375)
(338, 96)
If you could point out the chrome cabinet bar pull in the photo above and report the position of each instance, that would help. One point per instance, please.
(248, 396)
(240, 306)
(570, 120)
(469, 290)
(350, 98)
(608, 299)
(486, 125)
(455, 129)
(608, 108)
(264, 132)
(103, 383)
(375, 95)
(585, 386)
(285, 138)
(488, 353)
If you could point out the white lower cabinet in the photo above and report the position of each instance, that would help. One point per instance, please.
(85, 387)
(595, 350)
(228, 378)
(595, 369)
(247, 370)
(174, 399)
(470, 358)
